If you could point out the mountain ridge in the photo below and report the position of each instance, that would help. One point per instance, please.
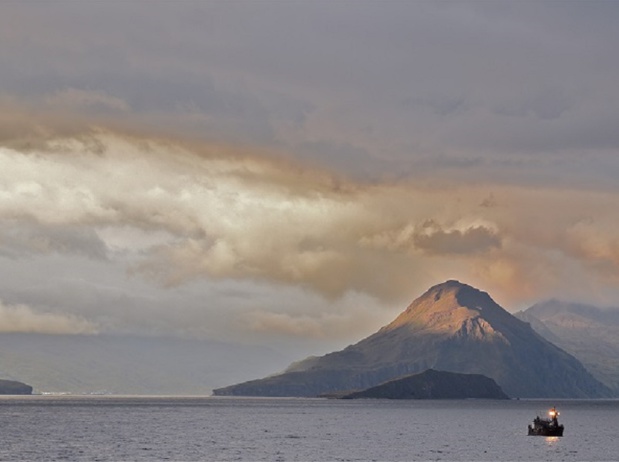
(588, 332)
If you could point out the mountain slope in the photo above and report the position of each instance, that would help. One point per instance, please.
(452, 327)
(589, 333)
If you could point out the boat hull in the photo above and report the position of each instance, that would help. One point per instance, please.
(556, 431)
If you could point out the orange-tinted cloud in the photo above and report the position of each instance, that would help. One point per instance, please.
(22, 318)
(212, 211)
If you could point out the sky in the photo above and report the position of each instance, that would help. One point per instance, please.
(296, 173)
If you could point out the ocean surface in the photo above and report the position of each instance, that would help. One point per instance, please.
(106, 428)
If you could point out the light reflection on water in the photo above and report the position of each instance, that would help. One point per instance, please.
(552, 440)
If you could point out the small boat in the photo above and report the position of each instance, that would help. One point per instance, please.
(546, 426)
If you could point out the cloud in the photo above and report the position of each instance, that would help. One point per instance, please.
(75, 99)
(23, 238)
(149, 158)
(183, 212)
(22, 318)
(345, 319)
(529, 96)
(432, 238)
(596, 244)
(283, 323)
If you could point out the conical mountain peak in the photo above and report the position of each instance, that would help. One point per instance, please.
(449, 307)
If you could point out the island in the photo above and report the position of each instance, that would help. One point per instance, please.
(13, 387)
(433, 384)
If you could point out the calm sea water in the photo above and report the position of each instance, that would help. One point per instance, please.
(105, 428)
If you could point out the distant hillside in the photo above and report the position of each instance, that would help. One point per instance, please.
(433, 384)
(589, 333)
(130, 364)
(12, 387)
(452, 327)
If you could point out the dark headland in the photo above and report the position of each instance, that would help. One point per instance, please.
(13, 387)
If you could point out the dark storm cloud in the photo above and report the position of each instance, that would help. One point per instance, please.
(403, 80)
